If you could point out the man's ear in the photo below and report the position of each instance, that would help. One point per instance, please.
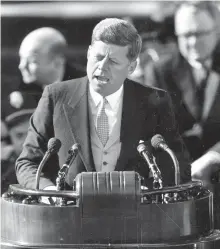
(132, 67)
(59, 61)
(88, 51)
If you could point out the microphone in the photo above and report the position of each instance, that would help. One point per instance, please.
(158, 142)
(60, 181)
(73, 151)
(145, 151)
(53, 147)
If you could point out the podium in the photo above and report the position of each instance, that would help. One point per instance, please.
(110, 210)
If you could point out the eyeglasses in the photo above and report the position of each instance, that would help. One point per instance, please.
(197, 34)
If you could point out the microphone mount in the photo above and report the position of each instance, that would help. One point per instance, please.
(72, 153)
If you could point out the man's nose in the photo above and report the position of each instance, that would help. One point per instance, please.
(192, 39)
(103, 64)
(22, 64)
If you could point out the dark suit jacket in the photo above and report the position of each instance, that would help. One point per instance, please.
(63, 113)
(174, 74)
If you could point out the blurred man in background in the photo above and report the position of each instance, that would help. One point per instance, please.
(192, 76)
(7, 149)
(14, 131)
(42, 62)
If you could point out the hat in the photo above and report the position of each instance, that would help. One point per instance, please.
(18, 117)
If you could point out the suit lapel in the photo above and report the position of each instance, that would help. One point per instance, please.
(211, 91)
(76, 113)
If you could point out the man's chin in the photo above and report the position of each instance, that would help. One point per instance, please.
(101, 89)
(28, 82)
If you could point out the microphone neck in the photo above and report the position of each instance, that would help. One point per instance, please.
(40, 167)
(163, 146)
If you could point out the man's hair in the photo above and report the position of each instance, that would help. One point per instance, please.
(209, 7)
(118, 32)
(51, 38)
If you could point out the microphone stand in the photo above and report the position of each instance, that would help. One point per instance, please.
(157, 183)
(176, 166)
(41, 165)
(60, 180)
(158, 142)
(60, 184)
(53, 147)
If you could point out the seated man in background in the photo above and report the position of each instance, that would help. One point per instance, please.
(192, 77)
(8, 157)
(16, 125)
(42, 61)
(105, 113)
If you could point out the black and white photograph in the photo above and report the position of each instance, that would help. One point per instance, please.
(110, 124)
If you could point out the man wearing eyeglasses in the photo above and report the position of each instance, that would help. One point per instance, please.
(192, 76)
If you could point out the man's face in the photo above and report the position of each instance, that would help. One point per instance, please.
(196, 33)
(107, 67)
(35, 63)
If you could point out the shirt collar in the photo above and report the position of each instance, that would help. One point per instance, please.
(113, 99)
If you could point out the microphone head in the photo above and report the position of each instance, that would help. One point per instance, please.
(54, 145)
(143, 147)
(157, 140)
(74, 148)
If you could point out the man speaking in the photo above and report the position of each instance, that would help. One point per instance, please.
(105, 113)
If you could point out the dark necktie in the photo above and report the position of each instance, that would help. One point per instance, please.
(200, 92)
(102, 123)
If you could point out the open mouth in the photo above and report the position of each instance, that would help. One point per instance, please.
(102, 79)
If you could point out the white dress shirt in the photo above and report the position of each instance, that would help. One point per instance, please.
(112, 108)
(198, 70)
(105, 157)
